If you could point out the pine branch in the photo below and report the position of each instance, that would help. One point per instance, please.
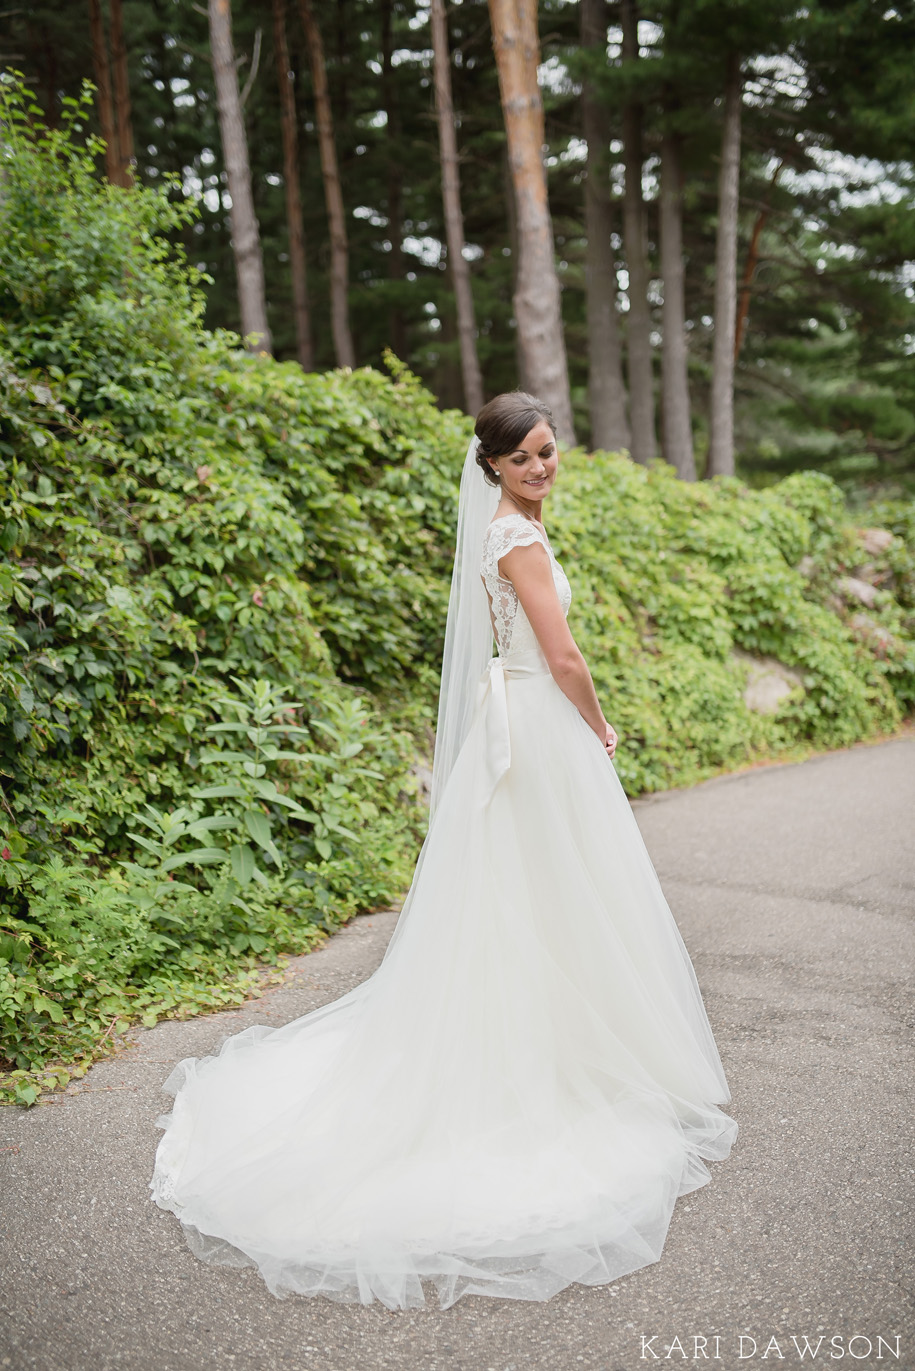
(255, 64)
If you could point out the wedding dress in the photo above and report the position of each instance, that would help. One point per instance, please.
(516, 1098)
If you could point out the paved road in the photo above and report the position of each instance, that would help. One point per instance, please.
(795, 890)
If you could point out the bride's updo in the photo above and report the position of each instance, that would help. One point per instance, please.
(504, 423)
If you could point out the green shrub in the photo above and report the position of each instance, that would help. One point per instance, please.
(670, 578)
(223, 588)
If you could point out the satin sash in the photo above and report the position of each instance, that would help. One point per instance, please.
(492, 699)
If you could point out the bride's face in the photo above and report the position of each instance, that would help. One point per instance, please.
(528, 473)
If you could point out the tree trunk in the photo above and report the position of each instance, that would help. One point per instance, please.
(121, 95)
(295, 229)
(511, 216)
(448, 382)
(743, 303)
(102, 74)
(721, 418)
(454, 219)
(246, 243)
(606, 394)
(538, 312)
(333, 196)
(677, 431)
(394, 175)
(635, 244)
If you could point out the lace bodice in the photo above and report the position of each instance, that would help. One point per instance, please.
(512, 627)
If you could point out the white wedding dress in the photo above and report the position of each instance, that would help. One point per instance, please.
(516, 1098)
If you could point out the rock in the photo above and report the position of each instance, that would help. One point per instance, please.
(871, 573)
(875, 540)
(852, 588)
(806, 566)
(872, 634)
(423, 773)
(769, 682)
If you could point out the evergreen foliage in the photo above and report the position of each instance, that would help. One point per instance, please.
(223, 593)
(823, 378)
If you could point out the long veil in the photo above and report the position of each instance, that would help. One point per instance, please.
(468, 632)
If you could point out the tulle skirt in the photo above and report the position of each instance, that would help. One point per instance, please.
(514, 1100)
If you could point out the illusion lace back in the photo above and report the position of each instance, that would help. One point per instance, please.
(517, 1096)
(510, 623)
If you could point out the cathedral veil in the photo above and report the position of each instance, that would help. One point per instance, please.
(468, 631)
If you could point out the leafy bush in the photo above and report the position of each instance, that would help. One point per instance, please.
(193, 538)
(674, 581)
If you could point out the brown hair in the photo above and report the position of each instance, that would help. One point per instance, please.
(505, 422)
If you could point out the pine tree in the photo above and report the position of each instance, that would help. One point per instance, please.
(121, 93)
(537, 296)
(606, 392)
(721, 417)
(675, 407)
(333, 194)
(246, 246)
(297, 267)
(102, 73)
(454, 218)
(635, 245)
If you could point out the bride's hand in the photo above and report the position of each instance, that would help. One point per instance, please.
(610, 741)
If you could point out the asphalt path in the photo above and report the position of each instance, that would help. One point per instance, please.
(794, 887)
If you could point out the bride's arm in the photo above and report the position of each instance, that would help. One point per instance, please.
(529, 570)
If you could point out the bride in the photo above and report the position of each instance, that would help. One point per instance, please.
(516, 1098)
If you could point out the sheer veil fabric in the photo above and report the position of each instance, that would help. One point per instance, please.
(468, 629)
(515, 1099)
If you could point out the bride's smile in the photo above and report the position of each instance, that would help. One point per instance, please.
(528, 472)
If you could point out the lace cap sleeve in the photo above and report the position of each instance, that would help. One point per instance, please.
(514, 530)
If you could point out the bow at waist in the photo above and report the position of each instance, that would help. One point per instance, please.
(496, 730)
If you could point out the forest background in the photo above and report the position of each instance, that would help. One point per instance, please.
(225, 568)
(640, 103)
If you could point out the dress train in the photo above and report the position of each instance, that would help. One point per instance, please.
(516, 1098)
